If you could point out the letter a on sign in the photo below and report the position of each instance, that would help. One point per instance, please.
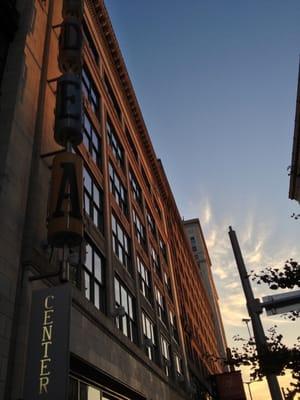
(65, 225)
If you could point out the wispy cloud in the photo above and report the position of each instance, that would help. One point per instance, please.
(206, 213)
(259, 248)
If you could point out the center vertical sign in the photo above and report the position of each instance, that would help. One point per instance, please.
(48, 359)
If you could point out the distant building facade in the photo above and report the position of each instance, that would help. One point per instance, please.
(142, 323)
(198, 245)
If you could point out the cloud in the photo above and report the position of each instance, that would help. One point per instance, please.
(206, 213)
(220, 273)
(262, 245)
(233, 311)
(232, 285)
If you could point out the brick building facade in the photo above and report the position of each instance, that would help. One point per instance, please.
(141, 323)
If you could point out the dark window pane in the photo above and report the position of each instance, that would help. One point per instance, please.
(94, 277)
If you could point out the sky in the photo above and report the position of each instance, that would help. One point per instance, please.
(216, 81)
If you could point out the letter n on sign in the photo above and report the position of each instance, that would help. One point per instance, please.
(47, 371)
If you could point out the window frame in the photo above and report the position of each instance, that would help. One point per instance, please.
(114, 143)
(117, 189)
(93, 204)
(89, 41)
(93, 279)
(127, 323)
(90, 90)
(139, 228)
(144, 280)
(161, 306)
(166, 354)
(173, 324)
(89, 144)
(163, 249)
(136, 189)
(155, 260)
(125, 259)
(150, 350)
(111, 94)
(150, 222)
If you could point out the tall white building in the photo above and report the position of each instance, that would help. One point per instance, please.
(196, 239)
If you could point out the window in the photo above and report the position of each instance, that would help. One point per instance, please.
(89, 90)
(114, 143)
(174, 326)
(117, 189)
(178, 365)
(126, 323)
(90, 43)
(136, 189)
(93, 200)
(146, 180)
(112, 96)
(168, 284)
(81, 390)
(91, 140)
(94, 284)
(73, 389)
(157, 208)
(149, 337)
(165, 350)
(121, 245)
(131, 144)
(144, 280)
(155, 260)
(161, 309)
(163, 249)
(139, 229)
(150, 222)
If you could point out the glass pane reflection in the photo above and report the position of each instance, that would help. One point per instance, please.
(93, 393)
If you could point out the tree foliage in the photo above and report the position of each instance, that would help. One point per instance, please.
(277, 358)
(286, 278)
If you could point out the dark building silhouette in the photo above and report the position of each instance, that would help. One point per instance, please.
(294, 191)
(142, 323)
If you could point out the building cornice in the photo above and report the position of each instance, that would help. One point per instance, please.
(106, 28)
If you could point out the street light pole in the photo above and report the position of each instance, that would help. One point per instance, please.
(248, 384)
(254, 309)
(247, 320)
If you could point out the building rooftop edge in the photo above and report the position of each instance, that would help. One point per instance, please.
(197, 221)
(116, 54)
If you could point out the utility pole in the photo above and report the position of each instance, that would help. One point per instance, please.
(254, 309)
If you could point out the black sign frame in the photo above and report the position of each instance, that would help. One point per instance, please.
(48, 352)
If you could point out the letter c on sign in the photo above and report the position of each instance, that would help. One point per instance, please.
(48, 306)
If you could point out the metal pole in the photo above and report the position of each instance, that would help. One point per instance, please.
(247, 320)
(254, 309)
(248, 384)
